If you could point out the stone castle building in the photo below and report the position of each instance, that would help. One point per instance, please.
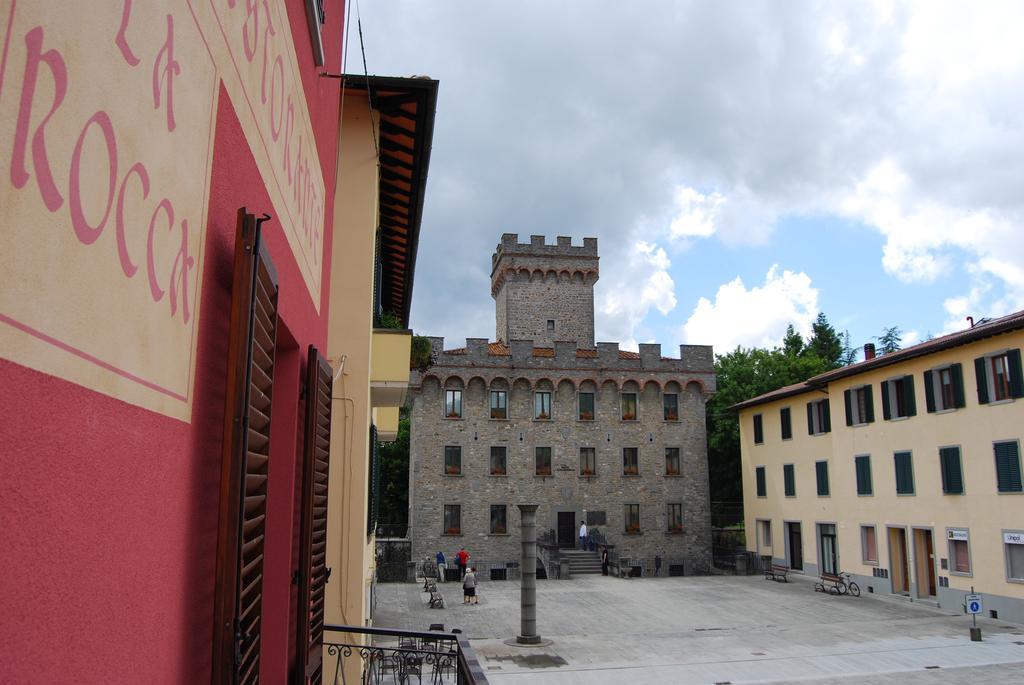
(543, 416)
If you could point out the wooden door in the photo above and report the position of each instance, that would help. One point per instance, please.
(566, 529)
(796, 547)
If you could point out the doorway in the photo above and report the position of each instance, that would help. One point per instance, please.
(898, 559)
(794, 546)
(924, 563)
(567, 529)
(828, 547)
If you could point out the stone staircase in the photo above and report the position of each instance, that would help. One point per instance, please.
(581, 562)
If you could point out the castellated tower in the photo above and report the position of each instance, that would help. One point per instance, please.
(544, 293)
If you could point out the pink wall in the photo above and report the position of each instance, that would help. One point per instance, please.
(108, 512)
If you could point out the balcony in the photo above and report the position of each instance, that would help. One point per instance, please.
(389, 367)
(397, 657)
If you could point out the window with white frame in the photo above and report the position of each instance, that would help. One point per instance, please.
(542, 406)
(819, 420)
(999, 376)
(944, 388)
(1013, 547)
(959, 551)
(860, 405)
(868, 545)
(453, 404)
(898, 401)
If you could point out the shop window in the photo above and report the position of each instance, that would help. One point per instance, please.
(1013, 547)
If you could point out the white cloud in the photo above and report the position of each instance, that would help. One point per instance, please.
(757, 317)
(631, 290)
(695, 213)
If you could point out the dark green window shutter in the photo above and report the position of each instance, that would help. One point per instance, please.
(952, 475)
(761, 488)
(787, 425)
(826, 416)
(1016, 379)
(979, 373)
(1008, 466)
(958, 385)
(904, 473)
(810, 418)
(848, 401)
(863, 475)
(886, 412)
(869, 404)
(908, 393)
(789, 478)
(821, 471)
(929, 392)
(758, 429)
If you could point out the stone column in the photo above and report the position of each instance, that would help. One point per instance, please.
(528, 587)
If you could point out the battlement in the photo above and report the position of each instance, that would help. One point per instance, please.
(566, 356)
(538, 247)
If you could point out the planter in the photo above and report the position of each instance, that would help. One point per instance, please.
(586, 416)
(452, 471)
(586, 472)
(453, 531)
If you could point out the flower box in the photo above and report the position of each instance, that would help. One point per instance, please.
(587, 472)
(498, 472)
(498, 414)
(630, 472)
(453, 531)
(499, 530)
(671, 471)
(453, 470)
(586, 416)
(543, 417)
(671, 416)
(544, 471)
(675, 528)
(454, 415)
(634, 528)
(629, 416)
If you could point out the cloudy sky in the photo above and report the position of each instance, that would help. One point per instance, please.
(744, 165)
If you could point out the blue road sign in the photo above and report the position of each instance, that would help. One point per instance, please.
(973, 603)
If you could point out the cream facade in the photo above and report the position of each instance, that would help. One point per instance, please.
(903, 470)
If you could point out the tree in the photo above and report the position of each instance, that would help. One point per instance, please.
(394, 475)
(825, 342)
(849, 355)
(792, 343)
(890, 340)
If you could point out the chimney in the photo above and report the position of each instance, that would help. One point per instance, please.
(869, 351)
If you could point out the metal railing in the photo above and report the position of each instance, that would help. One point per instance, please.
(399, 657)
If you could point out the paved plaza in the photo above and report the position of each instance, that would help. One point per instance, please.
(712, 629)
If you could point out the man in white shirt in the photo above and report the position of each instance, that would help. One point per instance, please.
(583, 535)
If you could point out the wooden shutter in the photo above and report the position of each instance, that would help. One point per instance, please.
(826, 416)
(810, 418)
(787, 426)
(869, 404)
(863, 475)
(1008, 474)
(904, 473)
(958, 385)
(759, 473)
(245, 458)
(908, 394)
(980, 372)
(929, 392)
(758, 429)
(313, 569)
(821, 471)
(1016, 373)
(789, 480)
(952, 474)
(848, 401)
(886, 411)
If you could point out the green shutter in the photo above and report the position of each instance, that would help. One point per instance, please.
(958, 385)
(1016, 379)
(789, 477)
(904, 473)
(826, 416)
(810, 418)
(787, 426)
(759, 474)
(929, 392)
(908, 392)
(952, 475)
(979, 374)
(863, 475)
(869, 404)
(758, 429)
(848, 401)
(1008, 466)
(821, 470)
(886, 412)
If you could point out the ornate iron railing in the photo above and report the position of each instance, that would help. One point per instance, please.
(398, 657)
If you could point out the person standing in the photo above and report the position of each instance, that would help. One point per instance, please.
(441, 566)
(463, 559)
(583, 535)
(469, 588)
(604, 561)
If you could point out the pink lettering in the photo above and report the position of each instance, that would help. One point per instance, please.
(127, 266)
(7, 43)
(154, 287)
(183, 261)
(267, 33)
(249, 36)
(121, 41)
(167, 74)
(40, 161)
(276, 77)
(89, 234)
(289, 123)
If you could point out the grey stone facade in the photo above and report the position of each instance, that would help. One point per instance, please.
(521, 369)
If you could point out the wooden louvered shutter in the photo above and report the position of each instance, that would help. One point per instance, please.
(958, 386)
(245, 458)
(929, 392)
(952, 474)
(826, 416)
(810, 418)
(886, 412)
(848, 401)
(909, 396)
(981, 374)
(869, 405)
(1008, 474)
(313, 571)
(1016, 373)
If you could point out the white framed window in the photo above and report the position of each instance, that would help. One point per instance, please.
(819, 420)
(860, 405)
(944, 388)
(959, 540)
(542, 406)
(453, 404)
(898, 401)
(869, 544)
(1013, 547)
(999, 376)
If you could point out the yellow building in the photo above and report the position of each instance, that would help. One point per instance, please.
(383, 155)
(903, 470)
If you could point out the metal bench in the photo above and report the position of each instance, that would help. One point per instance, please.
(777, 572)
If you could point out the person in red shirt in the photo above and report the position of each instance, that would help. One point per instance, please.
(462, 558)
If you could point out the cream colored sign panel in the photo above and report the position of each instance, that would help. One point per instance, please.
(106, 125)
(252, 45)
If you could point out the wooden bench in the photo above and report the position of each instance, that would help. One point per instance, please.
(436, 599)
(777, 572)
(835, 581)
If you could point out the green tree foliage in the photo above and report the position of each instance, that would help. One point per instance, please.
(889, 340)
(825, 343)
(792, 343)
(849, 355)
(394, 475)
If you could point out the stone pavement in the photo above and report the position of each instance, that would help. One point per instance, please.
(713, 629)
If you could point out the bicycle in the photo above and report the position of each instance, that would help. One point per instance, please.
(848, 585)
